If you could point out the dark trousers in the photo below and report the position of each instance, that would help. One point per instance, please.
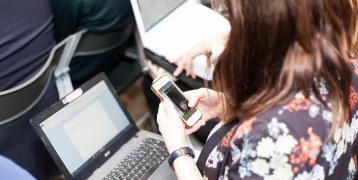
(19, 142)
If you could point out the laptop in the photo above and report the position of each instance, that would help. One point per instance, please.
(169, 28)
(90, 136)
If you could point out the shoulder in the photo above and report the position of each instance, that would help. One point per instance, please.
(285, 140)
(298, 117)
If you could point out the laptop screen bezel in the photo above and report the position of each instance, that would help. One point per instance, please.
(140, 22)
(87, 168)
(147, 29)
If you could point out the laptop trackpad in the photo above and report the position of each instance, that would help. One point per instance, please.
(163, 172)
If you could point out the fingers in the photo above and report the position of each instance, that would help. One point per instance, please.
(172, 115)
(200, 123)
(175, 60)
(187, 66)
(161, 116)
(196, 127)
(190, 131)
(193, 75)
(208, 61)
(185, 63)
(193, 97)
(189, 69)
(167, 116)
(172, 60)
(179, 69)
(169, 107)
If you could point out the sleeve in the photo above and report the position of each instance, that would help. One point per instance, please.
(271, 149)
(66, 16)
(9, 170)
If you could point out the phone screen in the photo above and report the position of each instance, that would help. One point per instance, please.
(170, 91)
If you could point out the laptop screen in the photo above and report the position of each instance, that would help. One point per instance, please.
(153, 11)
(83, 128)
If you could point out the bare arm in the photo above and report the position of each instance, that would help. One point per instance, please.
(185, 168)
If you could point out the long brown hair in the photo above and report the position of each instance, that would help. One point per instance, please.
(355, 7)
(278, 47)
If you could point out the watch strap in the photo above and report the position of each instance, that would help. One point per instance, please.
(184, 151)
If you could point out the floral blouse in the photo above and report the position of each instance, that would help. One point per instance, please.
(288, 142)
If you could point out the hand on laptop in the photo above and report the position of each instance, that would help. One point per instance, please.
(185, 62)
(204, 47)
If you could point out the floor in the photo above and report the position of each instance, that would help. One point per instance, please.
(136, 104)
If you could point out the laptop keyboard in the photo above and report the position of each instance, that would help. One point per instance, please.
(142, 162)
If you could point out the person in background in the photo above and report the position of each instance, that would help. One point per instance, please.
(71, 16)
(26, 39)
(287, 83)
(9, 170)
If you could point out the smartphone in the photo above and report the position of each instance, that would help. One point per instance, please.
(165, 88)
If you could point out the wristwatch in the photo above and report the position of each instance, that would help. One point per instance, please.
(184, 151)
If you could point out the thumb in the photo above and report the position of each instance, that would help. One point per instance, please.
(179, 69)
(171, 112)
(173, 60)
(193, 97)
(193, 101)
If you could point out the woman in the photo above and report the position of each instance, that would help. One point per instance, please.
(287, 83)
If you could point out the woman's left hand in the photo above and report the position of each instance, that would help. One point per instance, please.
(172, 128)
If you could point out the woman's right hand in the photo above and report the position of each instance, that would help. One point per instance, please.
(208, 101)
(185, 62)
(204, 47)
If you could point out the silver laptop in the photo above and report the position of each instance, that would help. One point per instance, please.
(91, 136)
(170, 28)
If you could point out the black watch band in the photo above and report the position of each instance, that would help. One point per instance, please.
(184, 151)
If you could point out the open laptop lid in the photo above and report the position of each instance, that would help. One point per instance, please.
(149, 13)
(85, 128)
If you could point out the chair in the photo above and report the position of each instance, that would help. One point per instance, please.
(19, 100)
(89, 46)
